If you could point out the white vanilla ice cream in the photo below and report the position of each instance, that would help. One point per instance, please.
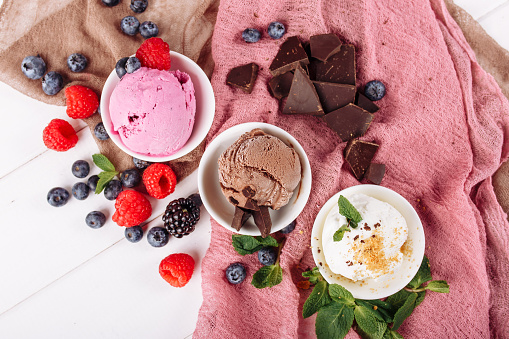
(373, 249)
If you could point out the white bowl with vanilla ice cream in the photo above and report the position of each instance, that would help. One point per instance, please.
(381, 255)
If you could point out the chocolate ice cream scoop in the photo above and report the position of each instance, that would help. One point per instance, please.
(259, 168)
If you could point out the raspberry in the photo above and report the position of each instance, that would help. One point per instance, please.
(82, 102)
(131, 209)
(159, 180)
(59, 135)
(154, 53)
(177, 269)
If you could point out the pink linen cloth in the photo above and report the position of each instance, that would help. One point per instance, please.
(442, 130)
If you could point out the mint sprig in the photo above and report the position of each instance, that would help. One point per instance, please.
(338, 235)
(109, 171)
(246, 244)
(347, 210)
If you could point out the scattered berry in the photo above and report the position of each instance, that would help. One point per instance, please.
(52, 83)
(196, 199)
(33, 67)
(159, 180)
(81, 101)
(129, 25)
(177, 269)
(141, 164)
(154, 53)
(181, 216)
(80, 169)
(276, 30)
(77, 62)
(131, 209)
(59, 135)
(100, 132)
(111, 3)
(236, 273)
(139, 6)
(374, 90)
(132, 64)
(251, 35)
(267, 256)
(112, 189)
(158, 236)
(130, 178)
(58, 196)
(288, 228)
(120, 67)
(134, 234)
(80, 190)
(95, 219)
(92, 182)
(148, 29)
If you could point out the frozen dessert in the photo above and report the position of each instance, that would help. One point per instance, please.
(153, 110)
(374, 248)
(259, 168)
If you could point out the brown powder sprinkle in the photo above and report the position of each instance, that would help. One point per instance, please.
(356, 237)
(373, 236)
(362, 241)
(377, 225)
(370, 252)
(367, 228)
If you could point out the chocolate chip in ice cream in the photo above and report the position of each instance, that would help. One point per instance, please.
(243, 77)
(322, 46)
(290, 55)
(248, 192)
(358, 154)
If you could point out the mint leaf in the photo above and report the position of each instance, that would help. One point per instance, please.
(398, 299)
(104, 179)
(338, 291)
(246, 244)
(268, 241)
(404, 311)
(378, 303)
(347, 210)
(338, 235)
(333, 320)
(423, 274)
(368, 324)
(420, 298)
(379, 308)
(370, 308)
(268, 276)
(103, 163)
(390, 334)
(313, 275)
(439, 286)
(318, 298)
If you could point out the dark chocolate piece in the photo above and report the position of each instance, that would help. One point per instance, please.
(339, 68)
(290, 55)
(362, 101)
(262, 220)
(349, 122)
(358, 154)
(240, 217)
(248, 192)
(375, 173)
(324, 45)
(280, 85)
(243, 77)
(250, 204)
(334, 96)
(302, 98)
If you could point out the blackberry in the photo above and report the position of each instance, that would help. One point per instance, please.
(77, 62)
(33, 67)
(181, 216)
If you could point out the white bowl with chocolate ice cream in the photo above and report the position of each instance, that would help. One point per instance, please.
(254, 178)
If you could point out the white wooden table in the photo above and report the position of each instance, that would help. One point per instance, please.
(61, 279)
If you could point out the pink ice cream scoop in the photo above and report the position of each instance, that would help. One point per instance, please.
(153, 111)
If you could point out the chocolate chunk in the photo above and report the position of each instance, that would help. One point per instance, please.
(339, 68)
(280, 85)
(248, 192)
(302, 98)
(358, 154)
(243, 77)
(250, 204)
(324, 45)
(375, 173)
(349, 122)
(290, 55)
(362, 101)
(334, 96)
(240, 217)
(262, 220)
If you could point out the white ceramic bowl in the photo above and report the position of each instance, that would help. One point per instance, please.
(216, 203)
(386, 286)
(205, 108)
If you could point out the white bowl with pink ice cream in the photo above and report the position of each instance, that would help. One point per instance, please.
(156, 115)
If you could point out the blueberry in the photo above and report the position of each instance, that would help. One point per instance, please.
(288, 228)
(80, 168)
(111, 3)
(133, 64)
(77, 62)
(276, 30)
(251, 35)
(58, 196)
(100, 132)
(196, 199)
(236, 273)
(112, 189)
(148, 29)
(140, 164)
(92, 182)
(52, 83)
(120, 67)
(158, 236)
(95, 219)
(374, 90)
(139, 6)
(267, 255)
(130, 178)
(129, 25)
(33, 67)
(134, 234)
(80, 190)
